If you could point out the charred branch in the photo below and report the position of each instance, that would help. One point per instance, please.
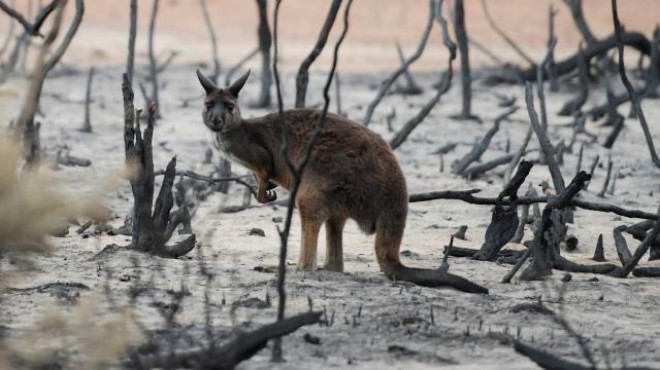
(620, 41)
(387, 84)
(578, 17)
(479, 169)
(32, 28)
(151, 229)
(546, 148)
(443, 87)
(132, 32)
(463, 50)
(411, 87)
(469, 197)
(232, 71)
(504, 220)
(265, 40)
(574, 105)
(153, 63)
(633, 39)
(480, 148)
(10, 33)
(644, 247)
(214, 41)
(44, 64)
(552, 40)
(302, 79)
(504, 36)
(545, 244)
(229, 355)
(87, 123)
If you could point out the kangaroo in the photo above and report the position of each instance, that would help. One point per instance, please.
(352, 173)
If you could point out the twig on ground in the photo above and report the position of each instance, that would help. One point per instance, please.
(87, 123)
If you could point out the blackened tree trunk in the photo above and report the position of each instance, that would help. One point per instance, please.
(132, 31)
(46, 61)
(265, 42)
(462, 40)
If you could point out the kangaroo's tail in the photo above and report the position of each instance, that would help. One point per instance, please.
(389, 232)
(435, 278)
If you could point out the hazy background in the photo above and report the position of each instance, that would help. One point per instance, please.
(375, 25)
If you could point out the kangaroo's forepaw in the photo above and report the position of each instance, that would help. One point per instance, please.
(268, 196)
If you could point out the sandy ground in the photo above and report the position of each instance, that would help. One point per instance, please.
(615, 315)
(377, 323)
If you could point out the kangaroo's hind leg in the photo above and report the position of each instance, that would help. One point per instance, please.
(334, 256)
(312, 216)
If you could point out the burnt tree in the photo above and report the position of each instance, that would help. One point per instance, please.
(25, 126)
(265, 41)
(463, 50)
(152, 229)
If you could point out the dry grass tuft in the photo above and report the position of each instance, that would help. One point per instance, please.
(32, 206)
(82, 338)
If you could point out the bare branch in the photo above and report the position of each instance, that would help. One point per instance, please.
(546, 147)
(153, 63)
(443, 87)
(132, 31)
(469, 197)
(302, 79)
(481, 147)
(389, 81)
(214, 41)
(504, 35)
(264, 46)
(87, 123)
(463, 49)
(232, 71)
(32, 29)
(631, 92)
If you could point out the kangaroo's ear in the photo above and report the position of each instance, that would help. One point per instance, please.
(236, 87)
(206, 82)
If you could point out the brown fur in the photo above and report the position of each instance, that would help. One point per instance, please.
(352, 173)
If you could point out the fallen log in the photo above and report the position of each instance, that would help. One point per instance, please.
(229, 355)
(633, 39)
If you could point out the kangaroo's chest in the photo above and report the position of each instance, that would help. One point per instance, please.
(232, 149)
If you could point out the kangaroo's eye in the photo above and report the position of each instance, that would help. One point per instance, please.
(229, 107)
(208, 105)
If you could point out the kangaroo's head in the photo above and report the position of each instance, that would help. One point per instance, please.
(221, 111)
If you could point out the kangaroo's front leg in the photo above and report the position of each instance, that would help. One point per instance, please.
(264, 194)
